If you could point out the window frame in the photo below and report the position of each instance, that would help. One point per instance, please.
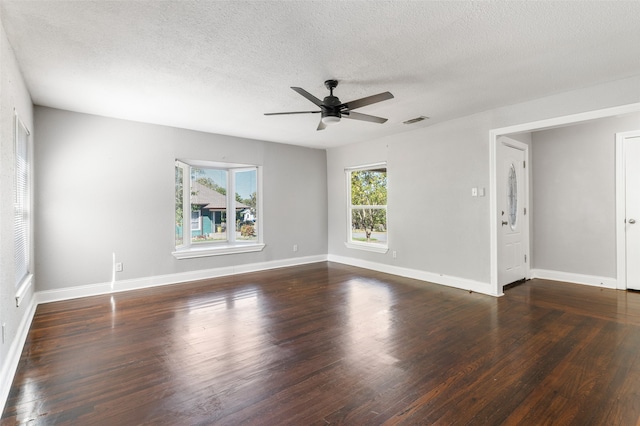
(358, 245)
(22, 203)
(187, 249)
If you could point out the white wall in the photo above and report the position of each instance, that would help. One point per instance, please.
(106, 186)
(441, 232)
(573, 176)
(13, 96)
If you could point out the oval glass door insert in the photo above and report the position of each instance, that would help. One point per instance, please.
(512, 197)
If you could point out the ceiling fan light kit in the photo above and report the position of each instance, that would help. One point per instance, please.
(332, 110)
(330, 119)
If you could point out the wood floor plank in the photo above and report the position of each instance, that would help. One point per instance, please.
(326, 344)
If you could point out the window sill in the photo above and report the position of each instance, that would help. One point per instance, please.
(23, 287)
(216, 251)
(376, 248)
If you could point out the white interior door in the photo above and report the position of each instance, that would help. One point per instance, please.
(513, 226)
(632, 210)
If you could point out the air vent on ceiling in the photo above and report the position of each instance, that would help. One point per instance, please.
(415, 120)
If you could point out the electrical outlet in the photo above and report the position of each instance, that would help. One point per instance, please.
(295, 247)
(119, 267)
(395, 255)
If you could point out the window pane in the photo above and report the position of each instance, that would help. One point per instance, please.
(208, 205)
(369, 225)
(369, 187)
(246, 205)
(179, 198)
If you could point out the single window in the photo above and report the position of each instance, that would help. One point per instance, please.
(179, 182)
(367, 200)
(21, 206)
(223, 201)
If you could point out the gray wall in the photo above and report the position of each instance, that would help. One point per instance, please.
(13, 96)
(573, 181)
(448, 228)
(434, 223)
(106, 186)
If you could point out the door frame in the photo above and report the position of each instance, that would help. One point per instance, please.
(621, 240)
(493, 185)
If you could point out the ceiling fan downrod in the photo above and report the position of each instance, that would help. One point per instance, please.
(331, 84)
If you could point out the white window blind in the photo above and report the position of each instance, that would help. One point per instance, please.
(21, 202)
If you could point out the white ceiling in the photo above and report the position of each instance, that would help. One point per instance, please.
(218, 66)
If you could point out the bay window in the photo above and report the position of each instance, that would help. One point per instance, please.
(217, 208)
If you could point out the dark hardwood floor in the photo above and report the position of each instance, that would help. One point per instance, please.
(331, 344)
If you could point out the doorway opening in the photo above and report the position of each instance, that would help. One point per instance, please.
(494, 195)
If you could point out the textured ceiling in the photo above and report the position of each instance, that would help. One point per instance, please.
(218, 66)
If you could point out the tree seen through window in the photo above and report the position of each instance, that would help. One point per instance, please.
(368, 205)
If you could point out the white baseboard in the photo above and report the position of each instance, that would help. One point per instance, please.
(76, 292)
(447, 280)
(160, 280)
(593, 280)
(10, 364)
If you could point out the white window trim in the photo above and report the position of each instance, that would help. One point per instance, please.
(376, 248)
(194, 252)
(231, 207)
(356, 245)
(188, 251)
(24, 286)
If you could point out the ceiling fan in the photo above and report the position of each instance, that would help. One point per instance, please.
(333, 110)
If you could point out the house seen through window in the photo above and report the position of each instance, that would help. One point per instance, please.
(216, 205)
(367, 202)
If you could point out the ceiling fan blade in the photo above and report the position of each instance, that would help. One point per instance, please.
(292, 112)
(363, 117)
(308, 95)
(358, 103)
(321, 125)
